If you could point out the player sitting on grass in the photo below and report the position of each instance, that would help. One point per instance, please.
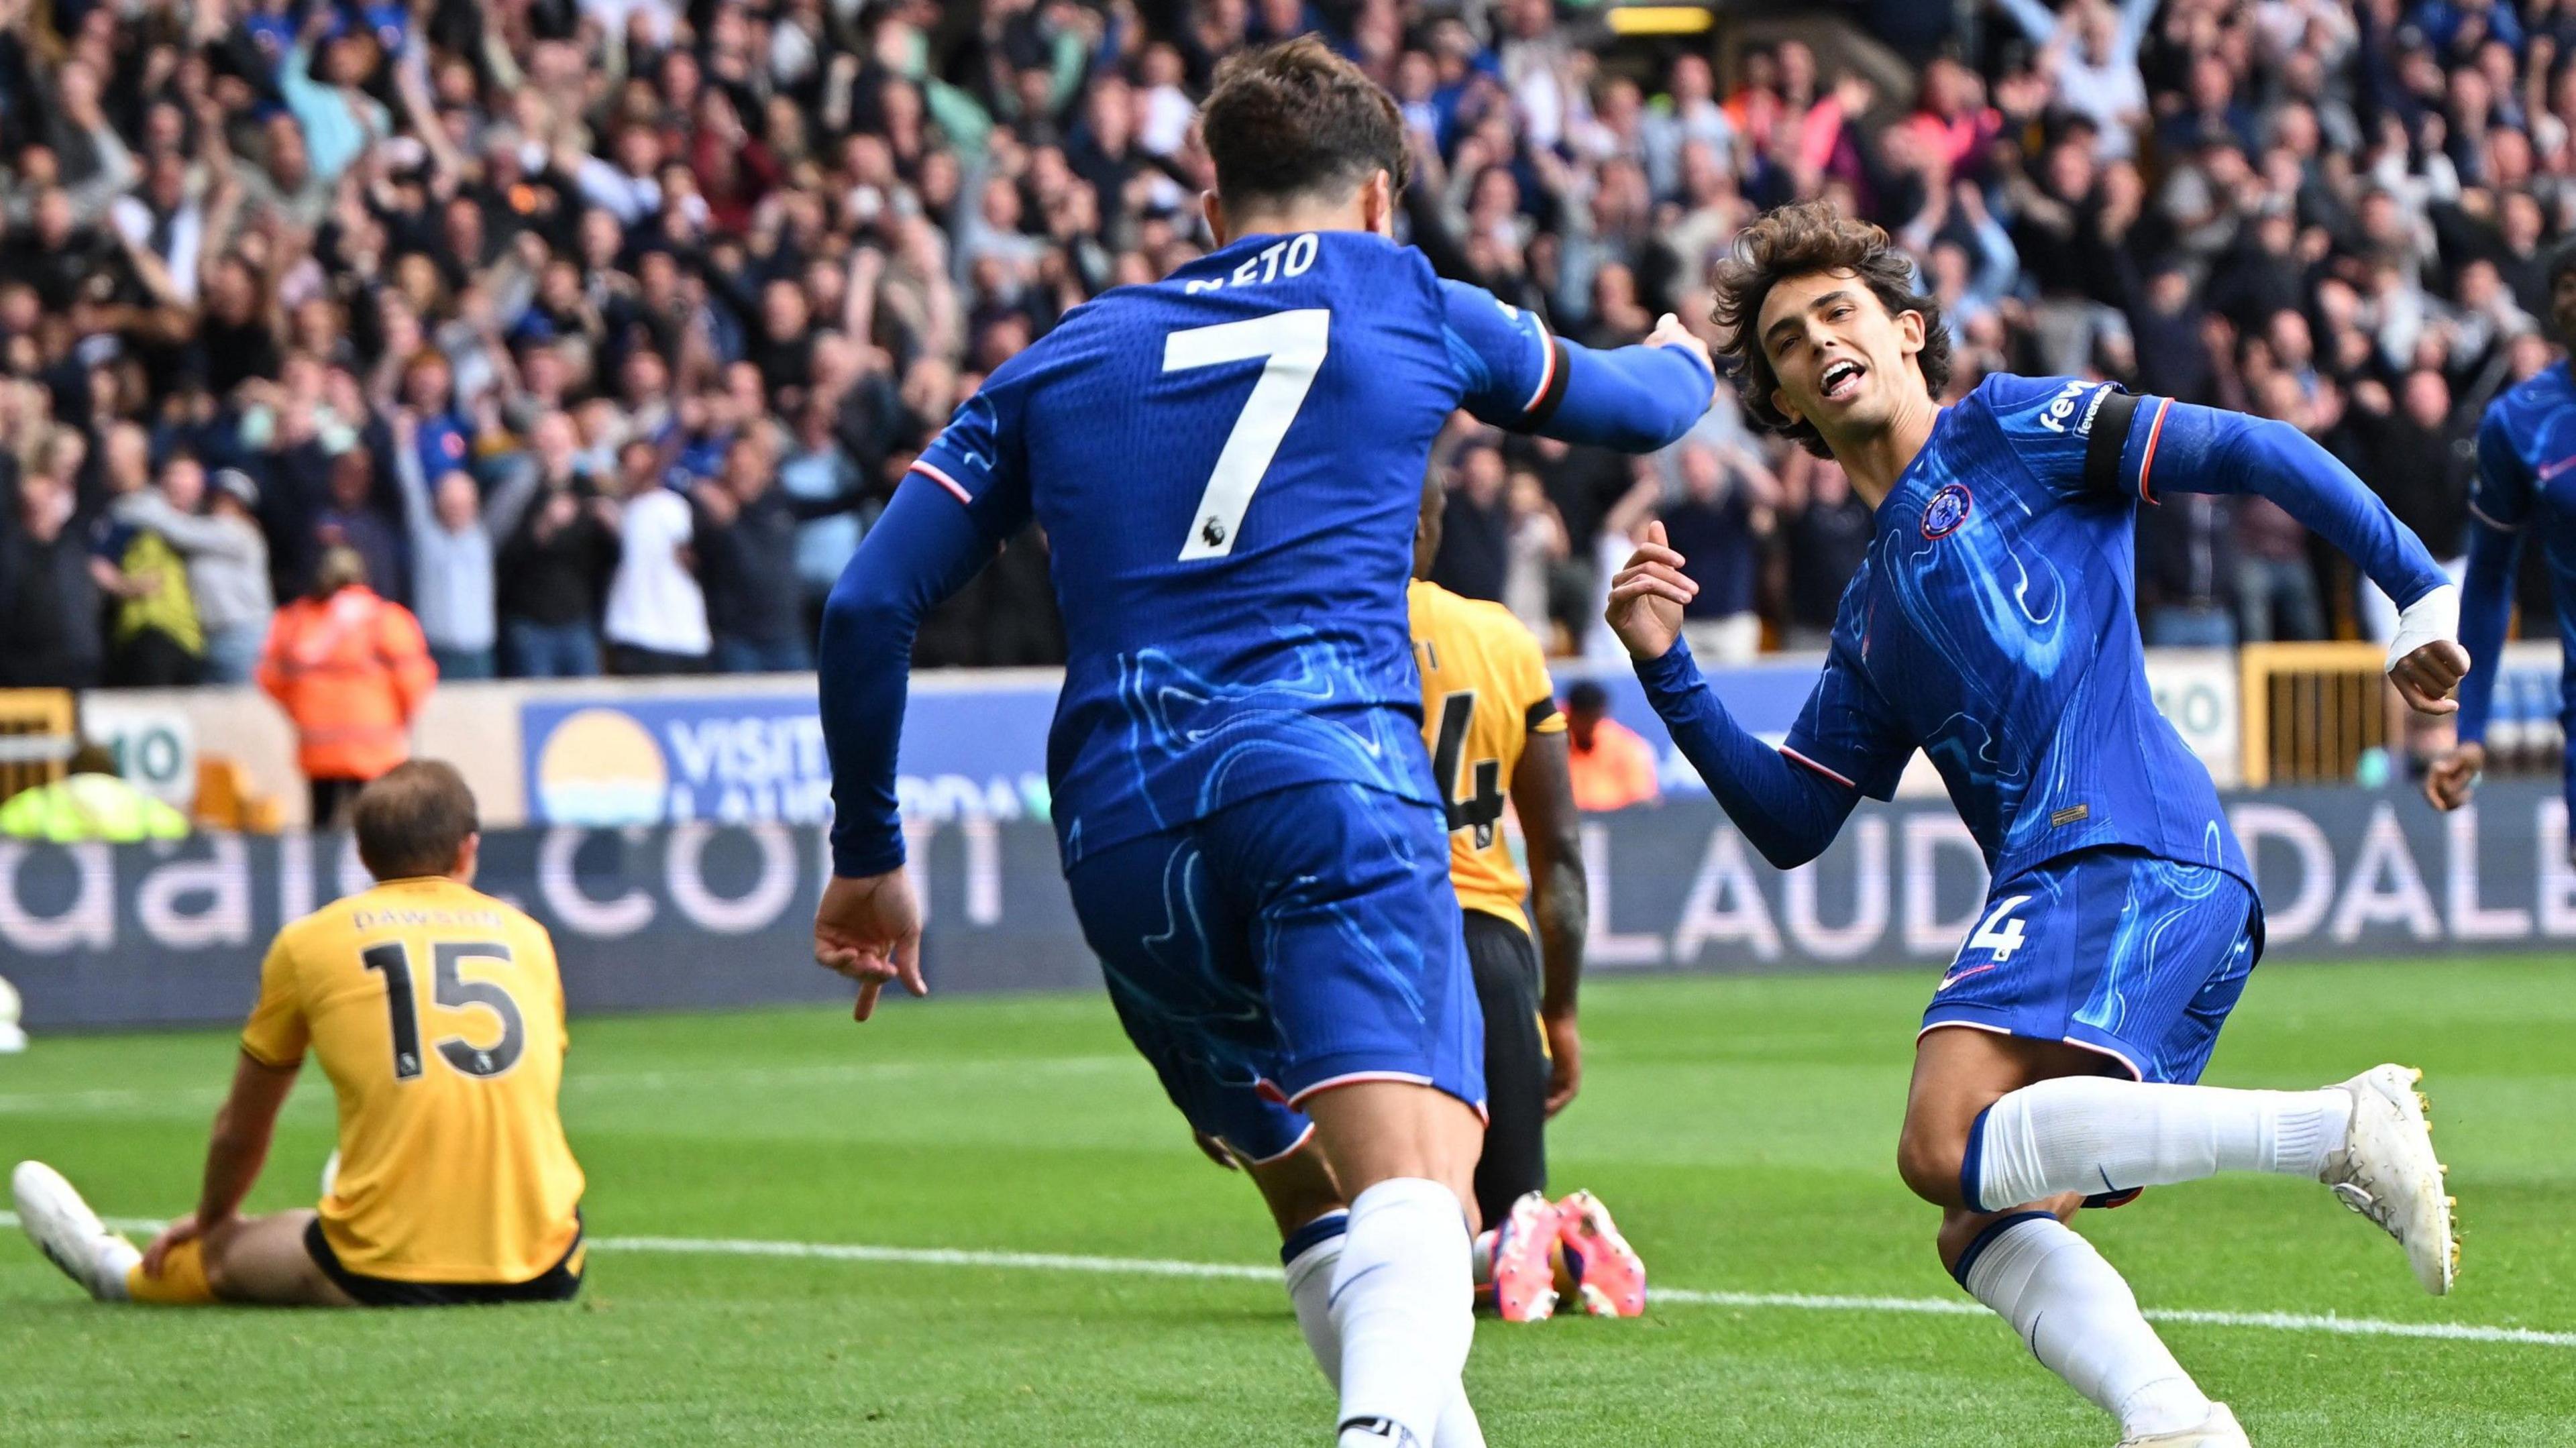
(437, 1014)
(1227, 464)
(1992, 626)
(2525, 443)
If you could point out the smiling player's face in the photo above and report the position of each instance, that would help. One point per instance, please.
(1842, 361)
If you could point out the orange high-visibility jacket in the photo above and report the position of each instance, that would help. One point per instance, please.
(350, 670)
(1616, 772)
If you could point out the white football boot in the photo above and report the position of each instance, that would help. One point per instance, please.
(69, 1234)
(2219, 1430)
(2387, 1172)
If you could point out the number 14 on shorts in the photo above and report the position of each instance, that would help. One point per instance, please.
(1999, 935)
(2000, 932)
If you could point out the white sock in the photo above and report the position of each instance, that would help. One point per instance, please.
(115, 1257)
(2081, 1321)
(1403, 1306)
(2092, 1134)
(1310, 1290)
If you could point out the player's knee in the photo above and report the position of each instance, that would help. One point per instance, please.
(1929, 1162)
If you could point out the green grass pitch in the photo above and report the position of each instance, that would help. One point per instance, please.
(1743, 1129)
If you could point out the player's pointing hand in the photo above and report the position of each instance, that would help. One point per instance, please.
(1646, 597)
(869, 929)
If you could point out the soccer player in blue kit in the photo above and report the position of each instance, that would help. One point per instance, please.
(1227, 464)
(1993, 626)
(2526, 477)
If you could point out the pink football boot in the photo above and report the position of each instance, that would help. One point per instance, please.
(1609, 1276)
(1524, 1261)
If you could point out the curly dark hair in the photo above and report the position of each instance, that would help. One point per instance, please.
(1796, 240)
(1294, 119)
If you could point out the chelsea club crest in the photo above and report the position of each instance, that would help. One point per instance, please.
(1947, 510)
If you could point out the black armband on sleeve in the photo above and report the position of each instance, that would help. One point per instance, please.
(2110, 438)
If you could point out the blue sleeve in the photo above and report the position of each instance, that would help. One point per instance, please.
(2092, 439)
(2207, 450)
(978, 458)
(1846, 733)
(2501, 497)
(2486, 606)
(923, 548)
(968, 496)
(1789, 811)
(1513, 373)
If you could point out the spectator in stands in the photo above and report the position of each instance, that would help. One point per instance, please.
(351, 670)
(748, 548)
(154, 637)
(50, 584)
(820, 469)
(1720, 521)
(1620, 528)
(556, 564)
(453, 533)
(2089, 50)
(1826, 534)
(227, 559)
(1612, 767)
(351, 518)
(2277, 597)
(657, 613)
(1475, 556)
(2421, 458)
(2187, 573)
(1533, 548)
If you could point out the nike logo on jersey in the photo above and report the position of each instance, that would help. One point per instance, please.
(1956, 976)
(2551, 470)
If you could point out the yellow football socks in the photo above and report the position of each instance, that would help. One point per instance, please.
(182, 1282)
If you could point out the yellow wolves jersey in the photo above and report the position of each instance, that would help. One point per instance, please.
(437, 1013)
(1485, 690)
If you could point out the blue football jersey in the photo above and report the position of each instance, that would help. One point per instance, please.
(2527, 481)
(1227, 464)
(1994, 626)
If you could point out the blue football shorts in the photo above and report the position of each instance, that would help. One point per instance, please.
(2115, 950)
(1291, 942)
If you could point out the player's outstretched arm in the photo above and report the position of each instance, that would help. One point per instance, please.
(1789, 812)
(1634, 399)
(1516, 374)
(2486, 606)
(2205, 450)
(924, 548)
(235, 1151)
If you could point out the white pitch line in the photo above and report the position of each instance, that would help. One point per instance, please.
(1667, 1296)
(937, 1257)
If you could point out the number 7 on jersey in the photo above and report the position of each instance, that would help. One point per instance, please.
(1291, 346)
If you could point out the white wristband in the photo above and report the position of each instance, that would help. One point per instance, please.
(2434, 616)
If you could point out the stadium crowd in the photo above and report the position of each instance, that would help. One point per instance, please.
(597, 330)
